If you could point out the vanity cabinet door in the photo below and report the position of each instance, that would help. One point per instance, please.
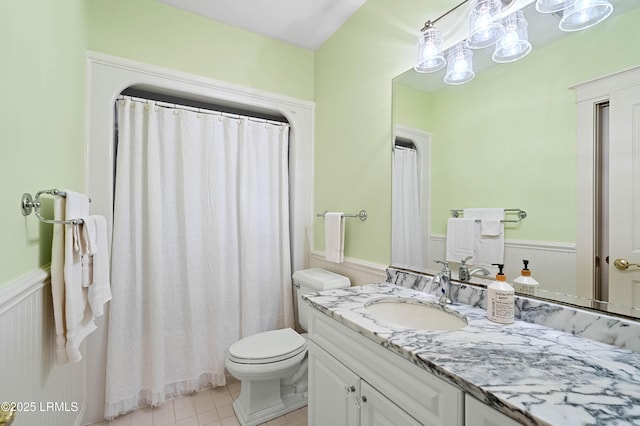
(377, 410)
(478, 414)
(414, 390)
(333, 391)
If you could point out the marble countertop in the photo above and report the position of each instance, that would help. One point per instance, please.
(533, 373)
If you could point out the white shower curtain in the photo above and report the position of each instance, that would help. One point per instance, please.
(200, 253)
(407, 229)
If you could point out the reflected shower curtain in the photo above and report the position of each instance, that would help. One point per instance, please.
(200, 254)
(407, 230)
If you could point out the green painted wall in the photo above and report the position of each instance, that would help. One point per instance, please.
(152, 32)
(43, 44)
(411, 108)
(508, 138)
(42, 119)
(353, 72)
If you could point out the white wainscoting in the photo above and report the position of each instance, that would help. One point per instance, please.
(552, 264)
(47, 393)
(360, 272)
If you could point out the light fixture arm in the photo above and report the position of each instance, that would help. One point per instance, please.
(430, 23)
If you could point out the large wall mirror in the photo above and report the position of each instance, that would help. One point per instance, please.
(511, 138)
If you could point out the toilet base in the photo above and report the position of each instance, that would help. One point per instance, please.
(261, 401)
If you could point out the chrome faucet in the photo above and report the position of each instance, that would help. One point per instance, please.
(463, 271)
(444, 279)
(484, 271)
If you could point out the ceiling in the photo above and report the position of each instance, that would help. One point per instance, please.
(303, 23)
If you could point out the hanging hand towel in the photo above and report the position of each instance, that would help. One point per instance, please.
(490, 220)
(57, 281)
(489, 246)
(334, 236)
(78, 315)
(461, 239)
(94, 235)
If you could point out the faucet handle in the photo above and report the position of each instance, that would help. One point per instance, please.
(445, 263)
(463, 271)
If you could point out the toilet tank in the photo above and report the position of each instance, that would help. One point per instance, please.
(311, 281)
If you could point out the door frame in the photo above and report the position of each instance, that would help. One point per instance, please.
(109, 75)
(588, 95)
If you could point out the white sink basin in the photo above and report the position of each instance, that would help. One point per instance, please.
(416, 314)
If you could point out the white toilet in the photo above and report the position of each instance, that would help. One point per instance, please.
(272, 366)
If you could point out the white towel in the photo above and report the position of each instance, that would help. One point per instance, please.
(78, 316)
(461, 239)
(94, 237)
(490, 220)
(334, 236)
(57, 281)
(489, 247)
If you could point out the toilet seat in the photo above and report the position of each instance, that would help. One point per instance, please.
(267, 347)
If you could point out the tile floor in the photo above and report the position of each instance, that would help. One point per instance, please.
(210, 407)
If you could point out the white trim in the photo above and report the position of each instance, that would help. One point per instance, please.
(554, 246)
(553, 264)
(589, 94)
(181, 77)
(18, 290)
(600, 87)
(107, 77)
(360, 272)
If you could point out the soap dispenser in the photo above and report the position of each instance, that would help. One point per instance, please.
(500, 299)
(525, 284)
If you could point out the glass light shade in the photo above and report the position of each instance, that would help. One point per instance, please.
(484, 26)
(459, 65)
(551, 6)
(581, 14)
(430, 58)
(514, 44)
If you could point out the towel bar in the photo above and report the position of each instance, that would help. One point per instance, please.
(362, 215)
(521, 214)
(32, 204)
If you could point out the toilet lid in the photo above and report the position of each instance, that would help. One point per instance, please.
(266, 347)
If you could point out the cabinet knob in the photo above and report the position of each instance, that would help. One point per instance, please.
(360, 401)
(349, 390)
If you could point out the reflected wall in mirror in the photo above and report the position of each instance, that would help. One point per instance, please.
(512, 138)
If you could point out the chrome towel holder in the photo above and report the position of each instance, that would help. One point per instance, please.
(31, 204)
(362, 215)
(521, 214)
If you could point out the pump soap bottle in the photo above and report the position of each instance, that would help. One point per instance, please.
(525, 283)
(500, 299)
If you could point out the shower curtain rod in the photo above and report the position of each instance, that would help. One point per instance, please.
(201, 110)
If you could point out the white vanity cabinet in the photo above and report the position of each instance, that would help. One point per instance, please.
(478, 414)
(338, 396)
(353, 381)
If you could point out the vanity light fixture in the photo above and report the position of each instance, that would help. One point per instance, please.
(485, 28)
(582, 14)
(514, 44)
(430, 55)
(430, 58)
(509, 35)
(460, 65)
(550, 6)
(577, 14)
